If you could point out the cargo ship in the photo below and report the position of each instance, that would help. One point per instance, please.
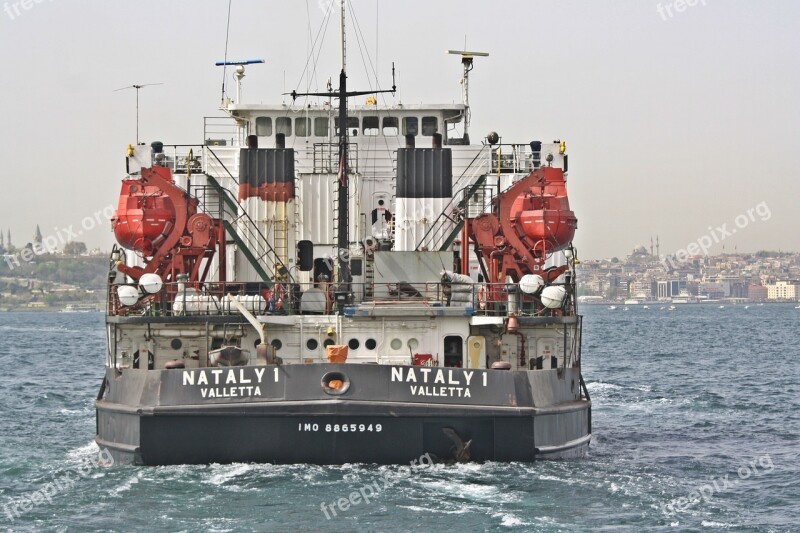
(337, 280)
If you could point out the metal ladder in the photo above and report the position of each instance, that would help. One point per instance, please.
(473, 177)
(245, 233)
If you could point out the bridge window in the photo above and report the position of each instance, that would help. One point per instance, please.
(430, 125)
(264, 126)
(410, 126)
(390, 126)
(321, 126)
(352, 125)
(370, 126)
(283, 125)
(302, 127)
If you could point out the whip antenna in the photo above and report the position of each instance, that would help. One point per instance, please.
(225, 68)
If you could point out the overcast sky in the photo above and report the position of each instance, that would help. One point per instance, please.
(675, 121)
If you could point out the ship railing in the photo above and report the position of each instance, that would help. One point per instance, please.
(484, 299)
(325, 158)
(206, 299)
(196, 159)
(221, 131)
(477, 167)
(514, 158)
(219, 161)
(380, 160)
(371, 293)
(180, 158)
(477, 200)
(209, 298)
(505, 299)
(401, 292)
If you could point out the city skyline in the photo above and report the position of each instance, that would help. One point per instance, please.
(59, 238)
(677, 121)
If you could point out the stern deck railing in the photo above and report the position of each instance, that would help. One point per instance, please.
(209, 298)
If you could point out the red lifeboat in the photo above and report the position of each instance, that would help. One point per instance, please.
(145, 215)
(543, 215)
(529, 221)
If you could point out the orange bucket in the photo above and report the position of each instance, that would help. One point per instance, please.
(336, 353)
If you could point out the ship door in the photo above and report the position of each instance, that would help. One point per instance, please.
(546, 354)
(454, 351)
(142, 354)
(322, 269)
(381, 216)
(476, 351)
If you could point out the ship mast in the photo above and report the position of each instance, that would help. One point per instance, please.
(343, 225)
(343, 189)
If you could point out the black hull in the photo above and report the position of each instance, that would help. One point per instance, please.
(321, 429)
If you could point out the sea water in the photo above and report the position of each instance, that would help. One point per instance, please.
(696, 427)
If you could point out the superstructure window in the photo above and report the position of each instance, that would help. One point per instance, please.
(410, 126)
(430, 125)
(264, 126)
(370, 126)
(283, 125)
(390, 126)
(302, 127)
(321, 127)
(352, 125)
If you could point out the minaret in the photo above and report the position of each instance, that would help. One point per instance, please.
(651, 246)
(658, 248)
(8, 239)
(1, 239)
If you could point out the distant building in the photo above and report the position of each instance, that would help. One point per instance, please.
(639, 289)
(737, 289)
(712, 291)
(757, 293)
(670, 288)
(783, 290)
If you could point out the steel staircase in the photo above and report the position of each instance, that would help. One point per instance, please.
(244, 232)
(472, 179)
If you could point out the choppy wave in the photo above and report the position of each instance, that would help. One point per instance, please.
(680, 400)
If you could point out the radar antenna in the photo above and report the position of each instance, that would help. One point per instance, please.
(239, 75)
(466, 61)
